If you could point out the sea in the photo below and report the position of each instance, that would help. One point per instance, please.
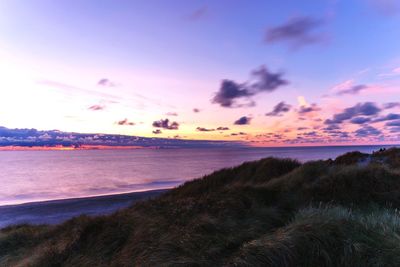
(31, 176)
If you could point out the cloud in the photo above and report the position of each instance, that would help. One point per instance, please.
(228, 92)
(60, 85)
(196, 110)
(391, 105)
(221, 128)
(261, 81)
(388, 117)
(393, 123)
(198, 14)
(392, 73)
(302, 100)
(307, 109)
(297, 32)
(339, 134)
(165, 124)
(239, 133)
(171, 114)
(279, 109)
(394, 129)
(97, 107)
(310, 134)
(72, 90)
(360, 120)
(352, 90)
(157, 131)
(331, 127)
(125, 122)
(202, 129)
(361, 109)
(243, 121)
(367, 131)
(266, 81)
(106, 82)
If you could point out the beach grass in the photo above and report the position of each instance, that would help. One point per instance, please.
(271, 212)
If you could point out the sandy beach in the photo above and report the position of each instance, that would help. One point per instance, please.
(57, 211)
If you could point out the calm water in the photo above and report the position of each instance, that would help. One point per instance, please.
(42, 175)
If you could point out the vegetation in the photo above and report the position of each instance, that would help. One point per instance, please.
(272, 212)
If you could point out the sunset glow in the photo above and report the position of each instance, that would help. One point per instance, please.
(334, 80)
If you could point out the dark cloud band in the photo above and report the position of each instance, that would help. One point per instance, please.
(262, 80)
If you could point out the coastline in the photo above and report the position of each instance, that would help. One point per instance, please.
(58, 211)
(52, 210)
(248, 146)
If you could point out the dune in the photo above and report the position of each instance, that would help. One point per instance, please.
(271, 212)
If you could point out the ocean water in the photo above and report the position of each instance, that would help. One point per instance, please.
(28, 176)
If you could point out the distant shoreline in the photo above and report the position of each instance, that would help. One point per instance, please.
(69, 148)
(104, 147)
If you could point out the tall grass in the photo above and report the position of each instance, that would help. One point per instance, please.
(328, 236)
(272, 212)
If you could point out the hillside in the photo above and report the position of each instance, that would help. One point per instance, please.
(272, 212)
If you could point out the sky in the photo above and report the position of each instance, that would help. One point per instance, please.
(270, 73)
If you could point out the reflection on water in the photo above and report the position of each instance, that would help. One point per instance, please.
(41, 175)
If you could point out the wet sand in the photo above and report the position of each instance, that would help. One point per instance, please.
(57, 211)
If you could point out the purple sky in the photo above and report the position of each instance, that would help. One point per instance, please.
(267, 72)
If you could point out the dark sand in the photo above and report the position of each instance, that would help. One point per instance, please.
(57, 211)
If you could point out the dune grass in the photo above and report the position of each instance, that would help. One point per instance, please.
(328, 236)
(272, 212)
